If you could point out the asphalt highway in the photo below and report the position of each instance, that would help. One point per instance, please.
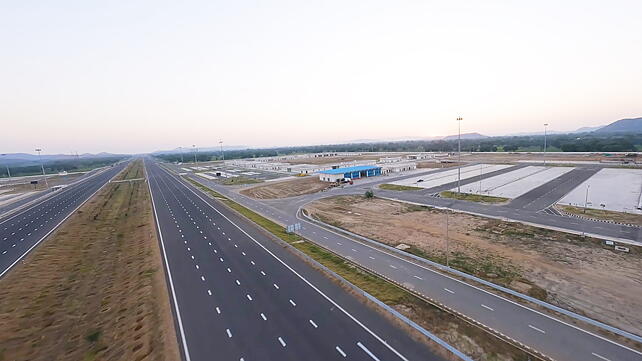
(546, 334)
(238, 295)
(25, 229)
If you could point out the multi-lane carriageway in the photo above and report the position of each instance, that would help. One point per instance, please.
(23, 231)
(239, 296)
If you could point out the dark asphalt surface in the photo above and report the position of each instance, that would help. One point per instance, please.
(241, 296)
(549, 193)
(543, 333)
(22, 231)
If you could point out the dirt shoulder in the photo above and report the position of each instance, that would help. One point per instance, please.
(96, 288)
(566, 270)
(289, 188)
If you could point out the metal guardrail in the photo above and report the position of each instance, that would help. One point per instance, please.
(588, 320)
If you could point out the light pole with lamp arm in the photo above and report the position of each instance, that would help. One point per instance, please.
(459, 119)
(545, 125)
(42, 167)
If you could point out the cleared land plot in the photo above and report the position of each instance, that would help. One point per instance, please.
(290, 188)
(611, 189)
(566, 270)
(437, 179)
(514, 184)
(94, 290)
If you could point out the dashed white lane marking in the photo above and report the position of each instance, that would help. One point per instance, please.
(238, 282)
(313, 324)
(218, 310)
(229, 270)
(209, 292)
(263, 317)
(371, 257)
(367, 351)
(249, 297)
(417, 277)
(340, 244)
(229, 333)
(340, 351)
(391, 266)
(252, 262)
(449, 291)
(488, 308)
(263, 273)
(202, 278)
(600, 356)
(354, 250)
(276, 286)
(292, 303)
(282, 342)
(537, 329)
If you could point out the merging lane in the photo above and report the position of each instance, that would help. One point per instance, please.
(23, 231)
(240, 296)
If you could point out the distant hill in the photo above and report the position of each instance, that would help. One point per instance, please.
(467, 136)
(632, 125)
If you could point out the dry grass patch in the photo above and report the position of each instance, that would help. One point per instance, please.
(473, 197)
(93, 290)
(602, 214)
(570, 271)
(289, 188)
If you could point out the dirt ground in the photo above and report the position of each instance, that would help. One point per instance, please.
(55, 180)
(95, 290)
(431, 164)
(289, 188)
(566, 270)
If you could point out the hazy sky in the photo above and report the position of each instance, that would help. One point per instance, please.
(137, 76)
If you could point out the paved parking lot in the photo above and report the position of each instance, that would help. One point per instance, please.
(611, 189)
(514, 184)
(437, 179)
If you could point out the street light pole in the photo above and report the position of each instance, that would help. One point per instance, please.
(447, 251)
(8, 172)
(181, 149)
(459, 119)
(42, 167)
(545, 125)
(195, 151)
(586, 198)
(222, 154)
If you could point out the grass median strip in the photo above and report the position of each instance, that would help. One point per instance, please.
(470, 339)
(473, 197)
(95, 289)
(397, 187)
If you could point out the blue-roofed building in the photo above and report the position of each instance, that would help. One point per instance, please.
(356, 172)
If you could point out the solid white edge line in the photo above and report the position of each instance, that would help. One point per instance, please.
(297, 274)
(55, 227)
(468, 284)
(169, 273)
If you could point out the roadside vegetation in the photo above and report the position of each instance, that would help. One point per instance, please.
(396, 187)
(469, 339)
(95, 290)
(571, 271)
(239, 180)
(473, 197)
(603, 214)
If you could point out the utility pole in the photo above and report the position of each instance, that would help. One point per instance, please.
(195, 151)
(181, 149)
(459, 119)
(447, 251)
(545, 125)
(481, 172)
(222, 154)
(8, 172)
(586, 198)
(42, 167)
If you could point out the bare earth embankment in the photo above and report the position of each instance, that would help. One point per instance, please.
(566, 270)
(95, 290)
(289, 188)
